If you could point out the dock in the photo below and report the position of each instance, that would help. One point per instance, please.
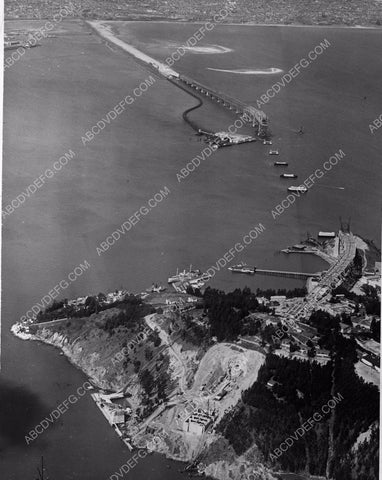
(281, 273)
(103, 407)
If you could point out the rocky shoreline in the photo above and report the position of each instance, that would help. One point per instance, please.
(216, 468)
(59, 341)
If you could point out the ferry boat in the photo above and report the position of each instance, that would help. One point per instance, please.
(281, 164)
(300, 189)
(288, 175)
(242, 268)
(273, 152)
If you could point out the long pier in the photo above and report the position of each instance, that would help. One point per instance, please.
(281, 273)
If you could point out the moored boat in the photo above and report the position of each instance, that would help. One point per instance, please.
(299, 189)
(242, 268)
(288, 175)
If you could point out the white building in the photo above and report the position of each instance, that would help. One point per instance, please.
(197, 423)
(327, 234)
(278, 298)
(114, 415)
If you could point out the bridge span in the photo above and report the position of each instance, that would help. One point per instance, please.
(251, 115)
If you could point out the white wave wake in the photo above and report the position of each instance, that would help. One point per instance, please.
(250, 71)
(209, 49)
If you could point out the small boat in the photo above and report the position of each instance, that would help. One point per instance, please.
(273, 152)
(155, 288)
(281, 164)
(288, 175)
(242, 268)
(300, 189)
(267, 142)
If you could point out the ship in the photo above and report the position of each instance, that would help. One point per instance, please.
(273, 152)
(15, 44)
(242, 268)
(288, 175)
(298, 248)
(300, 189)
(279, 164)
(185, 276)
(12, 45)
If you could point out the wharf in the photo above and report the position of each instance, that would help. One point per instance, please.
(101, 405)
(281, 273)
(292, 250)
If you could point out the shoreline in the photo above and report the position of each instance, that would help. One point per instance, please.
(34, 338)
(202, 22)
(132, 443)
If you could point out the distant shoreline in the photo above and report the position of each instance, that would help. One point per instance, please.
(202, 22)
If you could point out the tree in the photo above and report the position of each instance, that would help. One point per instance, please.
(147, 381)
(311, 352)
(375, 329)
(92, 305)
(101, 297)
(137, 365)
(293, 347)
(148, 354)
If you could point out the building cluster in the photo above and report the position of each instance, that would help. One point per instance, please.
(107, 299)
(302, 340)
(356, 12)
(181, 305)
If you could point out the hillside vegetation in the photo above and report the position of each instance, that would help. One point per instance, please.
(267, 416)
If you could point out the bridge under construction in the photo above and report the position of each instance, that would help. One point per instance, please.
(248, 113)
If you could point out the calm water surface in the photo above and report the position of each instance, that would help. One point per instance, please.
(56, 92)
